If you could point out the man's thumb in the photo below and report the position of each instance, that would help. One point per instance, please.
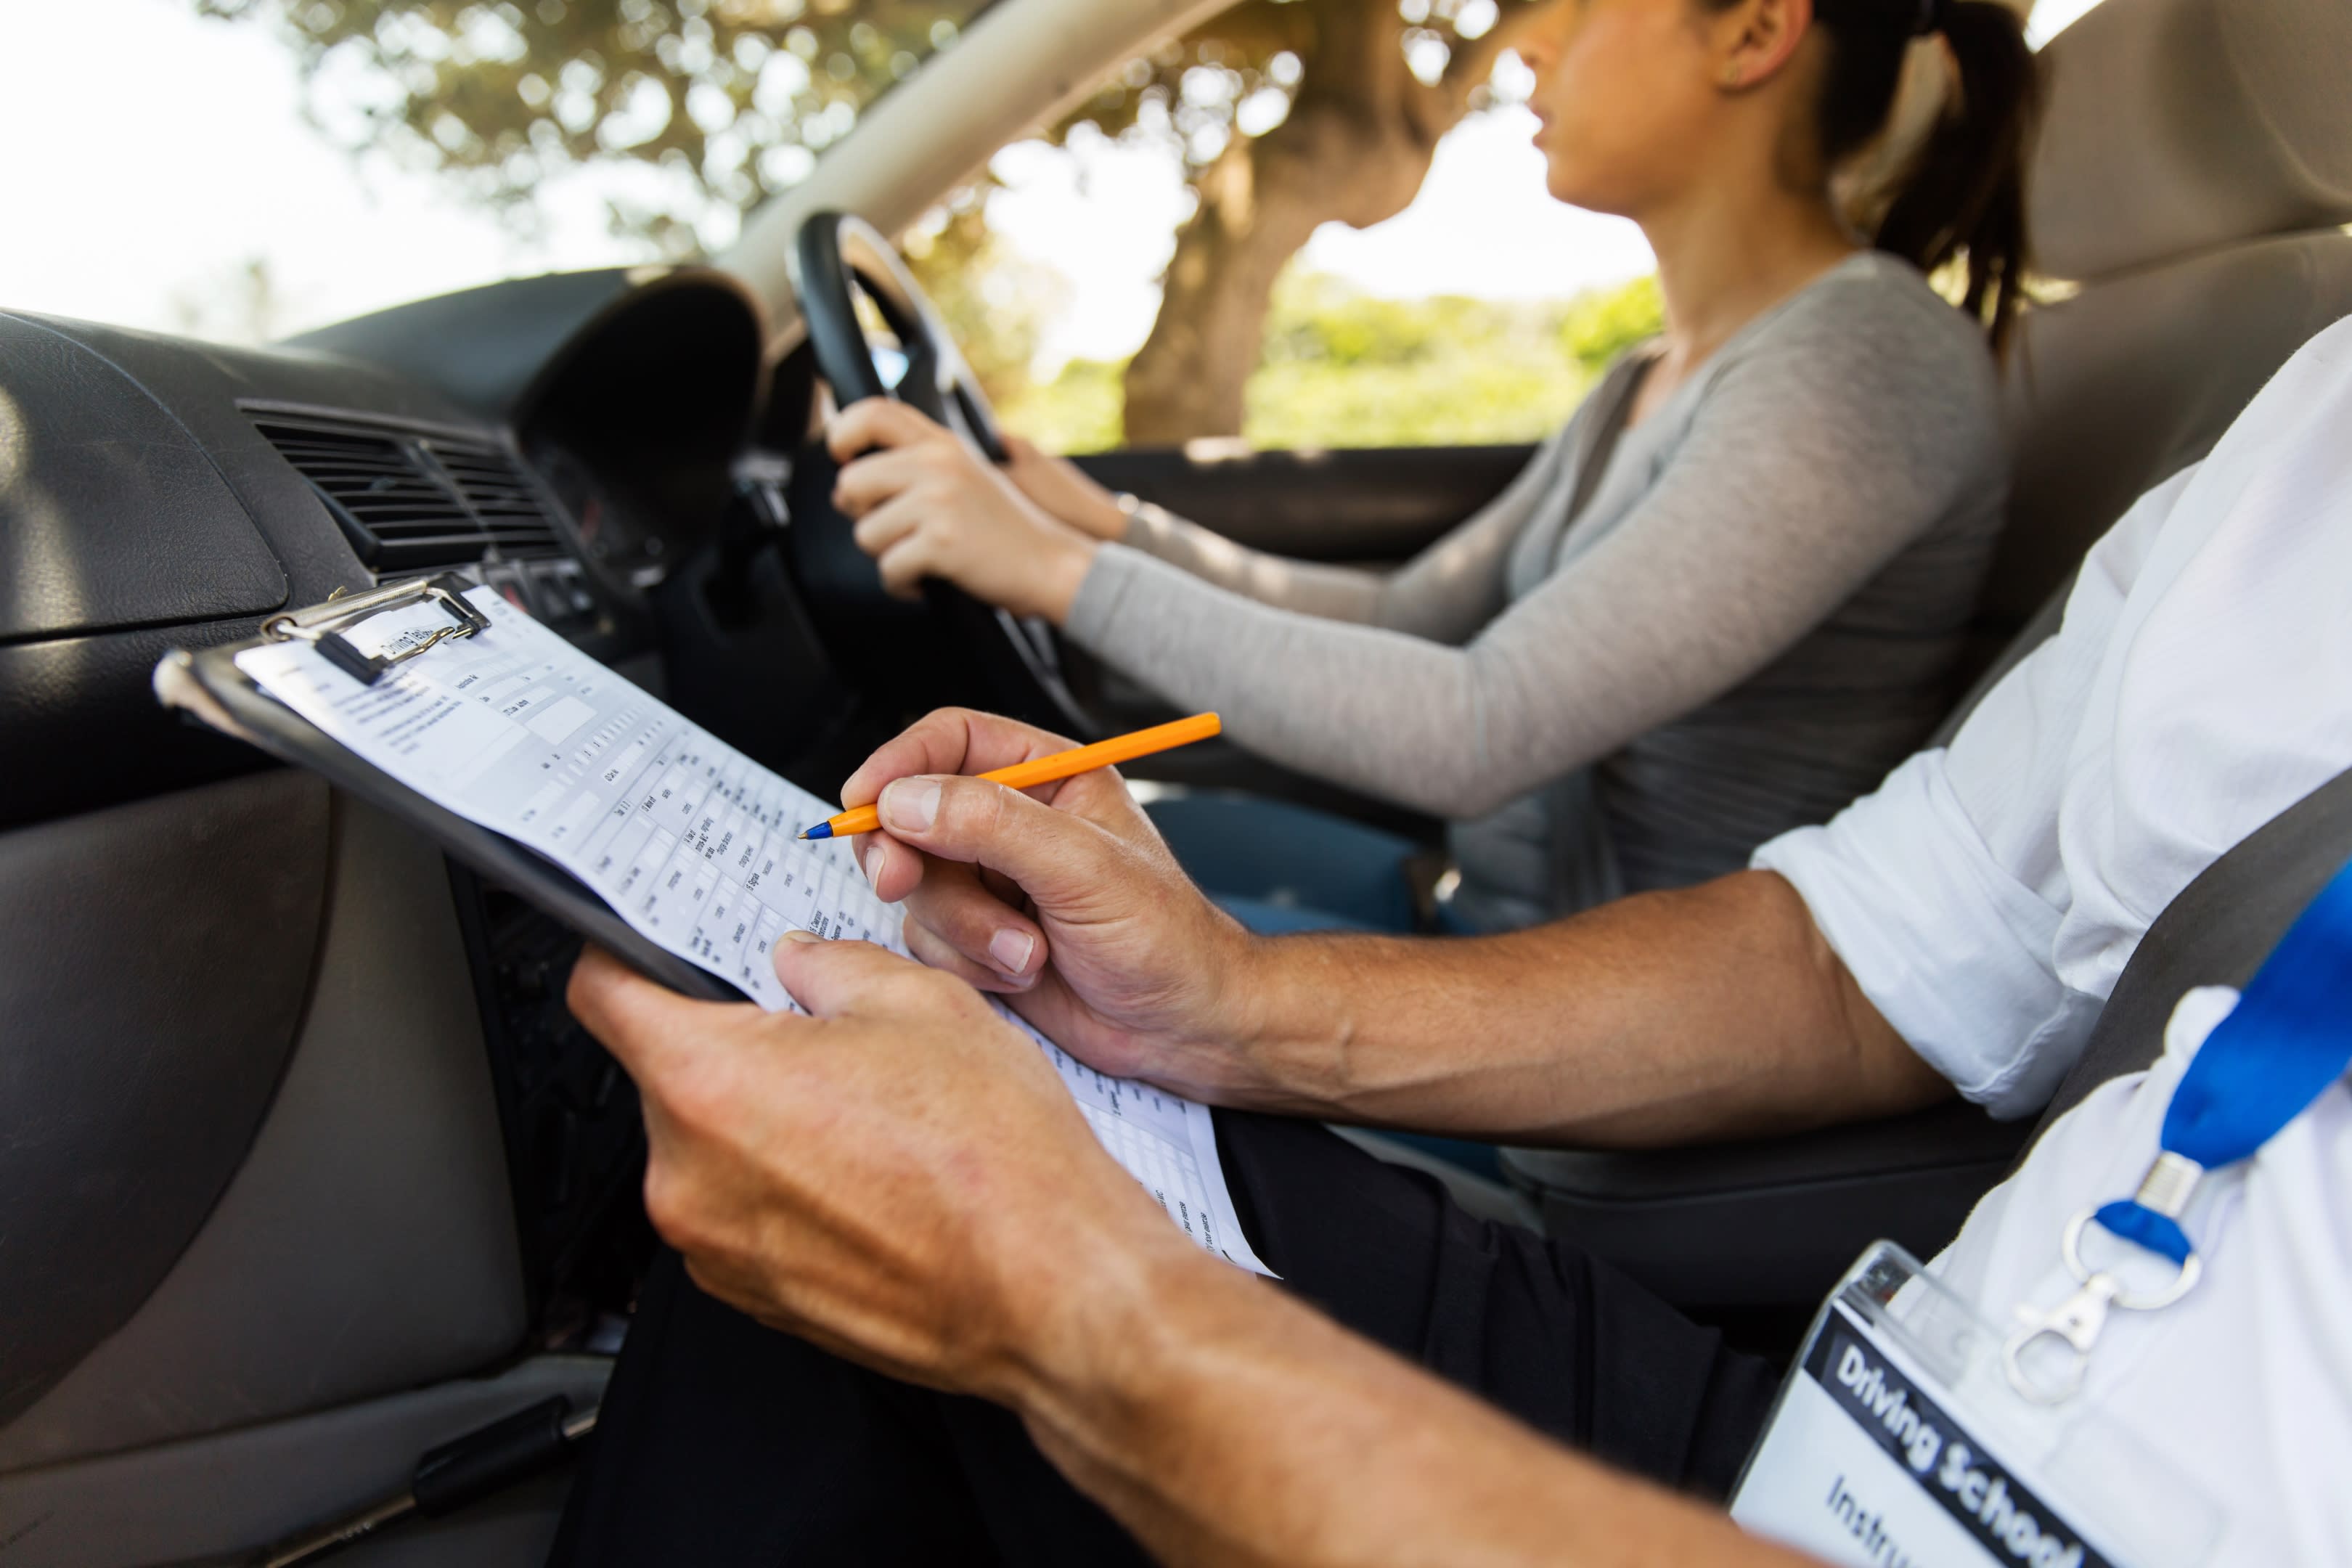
(1055, 855)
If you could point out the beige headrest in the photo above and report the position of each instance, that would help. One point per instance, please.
(2175, 125)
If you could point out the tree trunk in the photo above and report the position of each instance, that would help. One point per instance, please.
(1259, 203)
(1355, 148)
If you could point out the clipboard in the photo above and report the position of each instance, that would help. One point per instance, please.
(209, 689)
(536, 684)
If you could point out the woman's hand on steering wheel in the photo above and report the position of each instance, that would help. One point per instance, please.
(926, 505)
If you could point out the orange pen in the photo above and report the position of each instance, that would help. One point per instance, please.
(1060, 766)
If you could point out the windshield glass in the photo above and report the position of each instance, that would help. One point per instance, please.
(241, 169)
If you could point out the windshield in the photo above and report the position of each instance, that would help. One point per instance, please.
(240, 170)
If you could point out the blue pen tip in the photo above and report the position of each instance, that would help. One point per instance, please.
(822, 830)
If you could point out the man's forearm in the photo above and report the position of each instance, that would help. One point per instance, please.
(1710, 1012)
(1224, 1422)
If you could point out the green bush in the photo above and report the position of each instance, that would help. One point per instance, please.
(1346, 369)
(1077, 411)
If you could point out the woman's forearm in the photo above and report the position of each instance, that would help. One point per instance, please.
(1310, 588)
(1398, 717)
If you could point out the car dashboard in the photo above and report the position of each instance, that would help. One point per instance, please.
(568, 439)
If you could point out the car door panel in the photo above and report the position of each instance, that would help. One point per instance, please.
(366, 1242)
(1354, 504)
(214, 1496)
(150, 1006)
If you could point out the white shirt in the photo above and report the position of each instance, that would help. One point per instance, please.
(1987, 897)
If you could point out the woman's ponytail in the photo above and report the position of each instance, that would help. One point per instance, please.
(1962, 195)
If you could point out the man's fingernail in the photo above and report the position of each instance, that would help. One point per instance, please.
(873, 863)
(796, 935)
(1011, 949)
(911, 804)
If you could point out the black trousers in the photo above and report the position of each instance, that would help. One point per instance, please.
(723, 1443)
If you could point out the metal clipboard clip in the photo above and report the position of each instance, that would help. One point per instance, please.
(322, 625)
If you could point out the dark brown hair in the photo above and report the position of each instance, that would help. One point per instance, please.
(1963, 195)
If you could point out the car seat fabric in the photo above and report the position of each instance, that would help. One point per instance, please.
(2186, 194)
(2175, 126)
(2132, 380)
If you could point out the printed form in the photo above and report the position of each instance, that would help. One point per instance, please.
(688, 840)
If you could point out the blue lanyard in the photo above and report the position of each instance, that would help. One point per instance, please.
(2288, 1039)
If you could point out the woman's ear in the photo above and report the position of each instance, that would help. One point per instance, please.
(1755, 40)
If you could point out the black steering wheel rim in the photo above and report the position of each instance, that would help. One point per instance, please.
(839, 256)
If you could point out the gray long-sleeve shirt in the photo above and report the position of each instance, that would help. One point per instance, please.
(1755, 612)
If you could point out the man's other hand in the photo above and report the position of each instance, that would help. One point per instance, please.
(1062, 898)
(899, 1177)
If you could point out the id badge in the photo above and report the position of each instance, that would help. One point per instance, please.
(1898, 1440)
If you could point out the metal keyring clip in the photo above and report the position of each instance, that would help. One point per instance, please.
(323, 628)
(2078, 1321)
(2182, 1282)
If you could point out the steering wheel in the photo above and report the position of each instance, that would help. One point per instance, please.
(874, 334)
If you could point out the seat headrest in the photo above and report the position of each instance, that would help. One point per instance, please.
(2175, 125)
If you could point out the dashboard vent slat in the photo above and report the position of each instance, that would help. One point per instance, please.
(407, 500)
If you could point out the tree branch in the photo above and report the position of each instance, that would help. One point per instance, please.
(1472, 60)
(1258, 29)
(1467, 67)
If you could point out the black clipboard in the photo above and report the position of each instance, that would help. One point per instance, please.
(209, 689)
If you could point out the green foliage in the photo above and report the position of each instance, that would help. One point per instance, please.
(1083, 409)
(1603, 324)
(691, 113)
(1344, 369)
(723, 103)
(1238, 72)
(714, 105)
(996, 300)
(705, 107)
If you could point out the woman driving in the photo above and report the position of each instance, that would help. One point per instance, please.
(1724, 600)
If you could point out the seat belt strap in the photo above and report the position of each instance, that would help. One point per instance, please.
(2287, 1041)
(2217, 932)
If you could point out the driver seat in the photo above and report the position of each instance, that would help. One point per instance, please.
(2188, 193)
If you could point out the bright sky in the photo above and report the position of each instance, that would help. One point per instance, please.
(154, 154)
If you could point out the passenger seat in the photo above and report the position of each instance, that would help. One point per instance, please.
(2188, 195)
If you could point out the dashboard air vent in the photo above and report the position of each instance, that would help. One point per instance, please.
(409, 500)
